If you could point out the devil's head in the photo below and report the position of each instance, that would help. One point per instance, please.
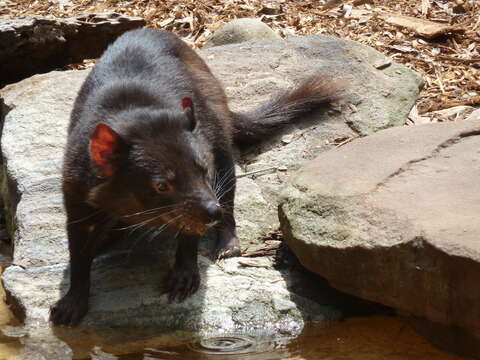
(156, 169)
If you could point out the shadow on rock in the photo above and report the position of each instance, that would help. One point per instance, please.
(302, 282)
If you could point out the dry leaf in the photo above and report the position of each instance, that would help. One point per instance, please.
(416, 119)
(450, 67)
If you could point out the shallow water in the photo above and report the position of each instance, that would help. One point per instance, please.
(362, 338)
(368, 338)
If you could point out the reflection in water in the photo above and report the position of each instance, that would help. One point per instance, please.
(241, 346)
(369, 338)
(232, 344)
(227, 347)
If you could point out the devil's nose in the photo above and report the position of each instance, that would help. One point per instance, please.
(214, 211)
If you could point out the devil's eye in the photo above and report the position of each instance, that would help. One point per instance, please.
(162, 186)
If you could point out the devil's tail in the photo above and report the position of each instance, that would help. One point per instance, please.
(256, 126)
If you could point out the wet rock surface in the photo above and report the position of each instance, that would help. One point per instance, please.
(36, 113)
(393, 218)
(126, 296)
(33, 45)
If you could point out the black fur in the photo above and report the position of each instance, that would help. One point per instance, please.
(166, 155)
(269, 119)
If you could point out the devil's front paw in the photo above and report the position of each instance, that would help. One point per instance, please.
(69, 310)
(181, 283)
(227, 247)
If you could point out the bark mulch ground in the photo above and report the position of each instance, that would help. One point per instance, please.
(438, 39)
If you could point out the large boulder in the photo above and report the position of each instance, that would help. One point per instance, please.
(393, 218)
(380, 95)
(241, 30)
(36, 112)
(37, 44)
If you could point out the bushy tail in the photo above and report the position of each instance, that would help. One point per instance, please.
(269, 119)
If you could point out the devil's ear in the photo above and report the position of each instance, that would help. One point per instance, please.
(187, 105)
(106, 148)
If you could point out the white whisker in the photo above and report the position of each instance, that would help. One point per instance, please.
(153, 210)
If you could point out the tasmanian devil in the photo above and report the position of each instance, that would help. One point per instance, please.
(150, 143)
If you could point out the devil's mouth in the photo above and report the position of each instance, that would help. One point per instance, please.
(212, 224)
(195, 227)
(187, 224)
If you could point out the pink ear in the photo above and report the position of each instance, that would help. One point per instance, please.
(104, 148)
(186, 102)
(187, 105)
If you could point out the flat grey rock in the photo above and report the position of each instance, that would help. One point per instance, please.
(231, 295)
(36, 113)
(393, 218)
(37, 44)
(126, 295)
(376, 99)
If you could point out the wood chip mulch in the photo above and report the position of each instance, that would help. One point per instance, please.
(438, 39)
